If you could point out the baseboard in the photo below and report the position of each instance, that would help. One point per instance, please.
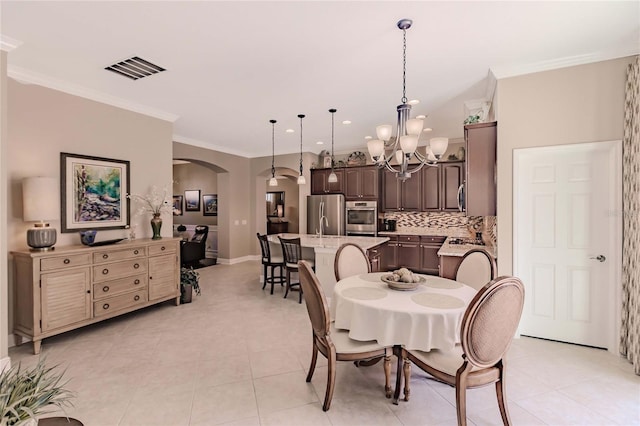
(223, 261)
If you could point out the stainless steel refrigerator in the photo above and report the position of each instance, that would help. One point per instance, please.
(332, 207)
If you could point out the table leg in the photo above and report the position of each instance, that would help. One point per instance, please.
(397, 351)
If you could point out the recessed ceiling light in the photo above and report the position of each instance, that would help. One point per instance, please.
(346, 122)
(428, 129)
(421, 116)
(319, 143)
(368, 137)
(289, 130)
(414, 102)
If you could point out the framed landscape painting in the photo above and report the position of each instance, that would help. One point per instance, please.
(93, 193)
(192, 200)
(210, 205)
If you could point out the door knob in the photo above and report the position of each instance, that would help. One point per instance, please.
(599, 258)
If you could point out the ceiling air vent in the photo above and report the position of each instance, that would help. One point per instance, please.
(135, 68)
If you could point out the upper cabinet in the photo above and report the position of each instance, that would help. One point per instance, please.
(320, 182)
(480, 176)
(401, 195)
(361, 183)
(441, 186)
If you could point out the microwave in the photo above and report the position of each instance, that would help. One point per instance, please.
(362, 218)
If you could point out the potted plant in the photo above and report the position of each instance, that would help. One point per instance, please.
(26, 393)
(189, 282)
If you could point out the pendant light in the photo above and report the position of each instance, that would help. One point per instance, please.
(333, 178)
(407, 132)
(301, 179)
(273, 181)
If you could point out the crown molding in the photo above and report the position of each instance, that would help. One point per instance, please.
(206, 145)
(513, 71)
(7, 44)
(29, 77)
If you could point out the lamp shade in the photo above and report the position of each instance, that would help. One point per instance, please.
(40, 199)
(409, 143)
(439, 146)
(273, 182)
(376, 148)
(302, 180)
(414, 126)
(384, 132)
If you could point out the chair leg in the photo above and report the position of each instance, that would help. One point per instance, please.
(400, 356)
(273, 277)
(331, 381)
(502, 398)
(300, 295)
(314, 359)
(286, 292)
(387, 376)
(265, 275)
(406, 369)
(281, 275)
(461, 397)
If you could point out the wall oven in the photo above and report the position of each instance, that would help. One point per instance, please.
(362, 218)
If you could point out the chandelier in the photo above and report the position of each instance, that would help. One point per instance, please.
(404, 146)
(273, 181)
(333, 178)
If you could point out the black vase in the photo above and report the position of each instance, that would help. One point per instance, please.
(156, 225)
(186, 291)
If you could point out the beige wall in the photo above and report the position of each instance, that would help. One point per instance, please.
(44, 122)
(4, 264)
(194, 176)
(571, 105)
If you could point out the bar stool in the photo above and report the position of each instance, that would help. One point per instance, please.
(269, 261)
(292, 252)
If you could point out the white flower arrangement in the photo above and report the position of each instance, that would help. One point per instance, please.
(155, 203)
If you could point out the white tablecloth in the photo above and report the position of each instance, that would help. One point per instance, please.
(426, 318)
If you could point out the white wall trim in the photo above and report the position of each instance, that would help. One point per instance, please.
(30, 77)
(238, 259)
(8, 44)
(507, 71)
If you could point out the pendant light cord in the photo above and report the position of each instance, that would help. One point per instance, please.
(404, 66)
(273, 147)
(301, 117)
(332, 111)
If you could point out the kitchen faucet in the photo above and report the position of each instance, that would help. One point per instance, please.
(323, 219)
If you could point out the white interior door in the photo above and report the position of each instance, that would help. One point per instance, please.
(567, 239)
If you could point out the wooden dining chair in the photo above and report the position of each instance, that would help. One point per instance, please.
(476, 269)
(487, 329)
(292, 253)
(350, 260)
(335, 344)
(270, 262)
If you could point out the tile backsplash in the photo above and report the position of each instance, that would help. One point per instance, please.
(457, 224)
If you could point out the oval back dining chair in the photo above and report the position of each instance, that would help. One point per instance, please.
(272, 262)
(488, 326)
(335, 344)
(350, 260)
(476, 268)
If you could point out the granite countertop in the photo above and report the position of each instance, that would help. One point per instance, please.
(331, 242)
(459, 250)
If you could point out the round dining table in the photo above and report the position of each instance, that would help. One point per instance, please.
(425, 318)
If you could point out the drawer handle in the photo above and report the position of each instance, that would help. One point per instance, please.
(105, 306)
(136, 266)
(66, 261)
(136, 281)
(136, 298)
(136, 252)
(105, 288)
(105, 271)
(105, 256)
(163, 248)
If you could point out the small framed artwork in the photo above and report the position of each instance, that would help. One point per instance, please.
(93, 193)
(177, 205)
(192, 200)
(210, 205)
(327, 162)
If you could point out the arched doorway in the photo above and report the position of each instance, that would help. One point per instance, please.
(288, 186)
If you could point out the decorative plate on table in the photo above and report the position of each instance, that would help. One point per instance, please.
(356, 158)
(399, 285)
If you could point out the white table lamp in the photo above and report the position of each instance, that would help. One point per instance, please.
(40, 204)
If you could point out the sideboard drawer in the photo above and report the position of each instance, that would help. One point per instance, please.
(110, 271)
(114, 287)
(110, 256)
(52, 263)
(116, 303)
(157, 249)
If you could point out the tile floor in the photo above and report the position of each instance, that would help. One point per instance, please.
(238, 356)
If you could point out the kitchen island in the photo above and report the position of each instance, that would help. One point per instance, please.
(323, 251)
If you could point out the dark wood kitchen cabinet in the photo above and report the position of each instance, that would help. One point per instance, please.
(361, 183)
(409, 252)
(440, 186)
(400, 195)
(480, 176)
(390, 254)
(375, 255)
(320, 182)
(429, 260)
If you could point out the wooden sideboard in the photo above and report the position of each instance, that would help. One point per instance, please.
(73, 286)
